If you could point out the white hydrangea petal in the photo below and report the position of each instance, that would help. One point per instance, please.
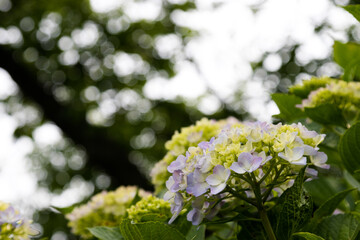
(170, 182)
(217, 189)
(282, 155)
(297, 153)
(214, 179)
(301, 161)
(309, 151)
(236, 168)
(255, 164)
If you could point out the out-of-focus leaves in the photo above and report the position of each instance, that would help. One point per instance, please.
(326, 114)
(339, 227)
(286, 104)
(251, 230)
(324, 188)
(332, 153)
(354, 10)
(347, 55)
(307, 236)
(349, 148)
(331, 204)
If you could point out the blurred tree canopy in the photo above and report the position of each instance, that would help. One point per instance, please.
(85, 72)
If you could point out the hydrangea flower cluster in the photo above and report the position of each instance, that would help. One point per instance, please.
(104, 209)
(307, 86)
(243, 161)
(190, 136)
(344, 95)
(13, 225)
(149, 206)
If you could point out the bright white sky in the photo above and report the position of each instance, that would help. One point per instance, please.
(231, 36)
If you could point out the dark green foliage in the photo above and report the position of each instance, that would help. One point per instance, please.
(326, 114)
(347, 55)
(286, 104)
(295, 209)
(349, 148)
(149, 231)
(354, 10)
(106, 233)
(339, 227)
(331, 204)
(307, 236)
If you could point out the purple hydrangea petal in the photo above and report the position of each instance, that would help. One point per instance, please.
(196, 184)
(319, 160)
(236, 168)
(195, 216)
(217, 189)
(178, 164)
(176, 207)
(204, 145)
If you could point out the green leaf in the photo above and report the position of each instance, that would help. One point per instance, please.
(66, 210)
(149, 231)
(295, 209)
(153, 217)
(326, 114)
(106, 233)
(331, 204)
(251, 230)
(286, 104)
(308, 236)
(354, 10)
(136, 198)
(349, 148)
(339, 227)
(323, 188)
(351, 180)
(332, 153)
(347, 55)
(196, 233)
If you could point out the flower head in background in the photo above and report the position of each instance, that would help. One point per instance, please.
(231, 163)
(149, 207)
(191, 136)
(104, 209)
(13, 225)
(318, 91)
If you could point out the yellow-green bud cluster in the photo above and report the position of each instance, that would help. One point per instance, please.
(13, 225)
(343, 95)
(104, 209)
(190, 136)
(307, 86)
(148, 206)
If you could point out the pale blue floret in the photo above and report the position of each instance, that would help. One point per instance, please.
(246, 163)
(196, 183)
(294, 156)
(9, 216)
(178, 164)
(176, 206)
(218, 179)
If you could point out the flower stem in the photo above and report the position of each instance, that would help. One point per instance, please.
(266, 223)
(262, 211)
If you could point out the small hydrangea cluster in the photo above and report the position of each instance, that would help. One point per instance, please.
(149, 206)
(13, 225)
(307, 86)
(344, 95)
(190, 136)
(104, 209)
(240, 157)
